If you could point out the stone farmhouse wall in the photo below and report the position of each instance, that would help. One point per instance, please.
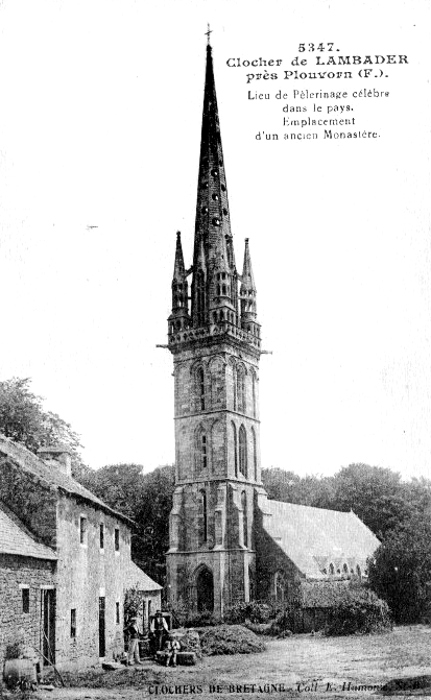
(18, 573)
(86, 573)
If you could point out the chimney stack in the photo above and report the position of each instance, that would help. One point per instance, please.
(57, 456)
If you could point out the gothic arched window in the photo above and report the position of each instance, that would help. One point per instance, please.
(244, 518)
(331, 569)
(240, 382)
(254, 442)
(253, 392)
(203, 513)
(235, 448)
(235, 388)
(200, 388)
(201, 449)
(280, 587)
(242, 451)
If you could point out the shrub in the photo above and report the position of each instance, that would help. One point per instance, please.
(254, 611)
(358, 611)
(203, 619)
(264, 628)
(230, 639)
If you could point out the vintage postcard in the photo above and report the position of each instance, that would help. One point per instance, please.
(215, 384)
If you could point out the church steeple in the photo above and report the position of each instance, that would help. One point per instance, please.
(216, 309)
(216, 352)
(214, 288)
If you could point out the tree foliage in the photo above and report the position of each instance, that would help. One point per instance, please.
(24, 419)
(358, 611)
(378, 496)
(146, 499)
(401, 571)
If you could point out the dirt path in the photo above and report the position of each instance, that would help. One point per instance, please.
(304, 666)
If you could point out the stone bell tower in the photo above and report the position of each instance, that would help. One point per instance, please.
(215, 343)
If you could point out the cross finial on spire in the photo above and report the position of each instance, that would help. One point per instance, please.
(208, 32)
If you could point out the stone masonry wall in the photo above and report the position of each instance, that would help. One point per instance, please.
(17, 573)
(86, 572)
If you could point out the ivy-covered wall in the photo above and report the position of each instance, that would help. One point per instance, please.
(32, 500)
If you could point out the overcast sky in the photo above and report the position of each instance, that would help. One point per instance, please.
(100, 115)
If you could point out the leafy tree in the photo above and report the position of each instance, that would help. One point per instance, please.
(401, 571)
(119, 485)
(146, 499)
(24, 420)
(152, 542)
(310, 490)
(375, 494)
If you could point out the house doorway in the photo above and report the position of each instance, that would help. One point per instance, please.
(102, 627)
(205, 590)
(47, 607)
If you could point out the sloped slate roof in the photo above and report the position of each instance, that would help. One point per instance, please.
(52, 476)
(309, 536)
(15, 539)
(136, 578)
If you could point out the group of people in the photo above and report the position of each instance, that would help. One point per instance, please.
(163, 645)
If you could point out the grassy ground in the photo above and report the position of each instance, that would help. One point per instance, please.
(302, 665)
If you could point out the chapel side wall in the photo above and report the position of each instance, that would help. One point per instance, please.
(16, 573)
(85, 573)
(270, 558)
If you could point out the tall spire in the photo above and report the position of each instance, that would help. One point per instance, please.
(212, 227)
(216, 309)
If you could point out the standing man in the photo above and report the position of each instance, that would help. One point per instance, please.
(159, 628)
(133, 648)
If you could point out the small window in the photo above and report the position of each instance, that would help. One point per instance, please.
(215, 197)
(82, 530)
(26, 600)
(73, 623)
(216, 222)
(204, 452)
(214, 172)
(102, 535)
(117, 613)
(117, 539)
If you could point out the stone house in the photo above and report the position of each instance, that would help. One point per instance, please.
(89, 544)
(27, 574)
(228, 541)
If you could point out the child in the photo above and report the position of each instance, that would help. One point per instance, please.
(171, 649)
